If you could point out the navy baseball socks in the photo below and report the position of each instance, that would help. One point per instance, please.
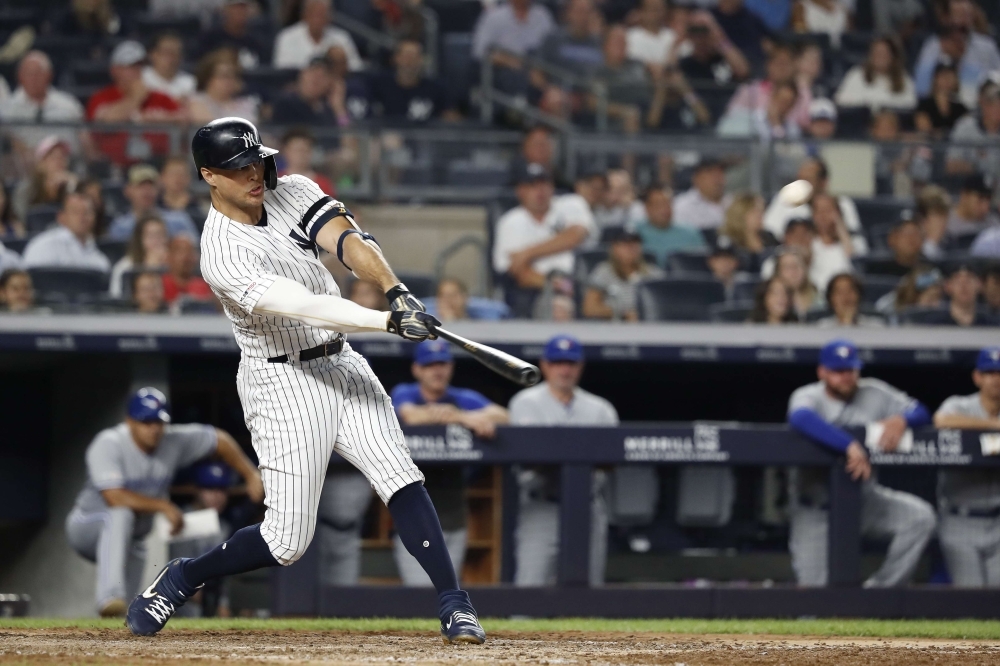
(181, 578)
(419, 529)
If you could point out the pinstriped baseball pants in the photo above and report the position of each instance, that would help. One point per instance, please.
(298, 414)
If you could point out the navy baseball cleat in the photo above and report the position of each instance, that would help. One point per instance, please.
(151, 609)
(459, 622)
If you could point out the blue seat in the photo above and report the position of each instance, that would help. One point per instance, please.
(40, 217)
(679, 299)
(732, 313)
(461, 173)
(457, 69)
(420, 284)
(68, 284)
(877, 286)
(873, 212)
(113, 249)
(269, 82)
(688, 263)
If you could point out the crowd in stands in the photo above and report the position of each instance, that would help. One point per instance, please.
(610, 243)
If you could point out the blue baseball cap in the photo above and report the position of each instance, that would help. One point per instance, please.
(840, 355)
(988, 360)
(213, 474)
(148, 404)
(432, 351)
(563, 348)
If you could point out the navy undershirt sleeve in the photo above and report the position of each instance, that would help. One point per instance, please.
(812, 425)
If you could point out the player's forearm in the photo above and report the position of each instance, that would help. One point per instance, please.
(287, 298)
(961, 421)
(364, 257)
(416, 415)
(812, 425)
(494, 413)
(115, 497)
(230, 452)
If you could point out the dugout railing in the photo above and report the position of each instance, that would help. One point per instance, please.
(577, 452)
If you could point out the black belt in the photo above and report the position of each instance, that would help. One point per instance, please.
(974, 513)
(331, 348)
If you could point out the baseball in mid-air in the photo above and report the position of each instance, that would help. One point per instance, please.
(796, 193)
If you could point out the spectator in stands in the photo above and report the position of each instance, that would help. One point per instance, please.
(723, 263)
(234, 31)
(592, 186)
(934, 210)
(755, 96)
(557, 401)
(881, 82)
(814, 170)
(16, 292)
(743, 28)
(704, 205)
(822, 120)
(974, 55)
(774, 121)
(713, 58)
(181, 278)
(452, 303)
(611, 286)
(821, 411)
(968, 501)
(941, 109)
(773, 303)
(963, 287)
(538, 237)
(574, 46)
(71, 243)
(744, 229)
(37, 101)
(517, 27)
(147, 292)
(432, 400)
(175, 179)
(791, 266)
(142, 191)
(650, 41)
(982, 129)
(620, 207)
(313, 36)
(923, 287)
(313, 101)
(219, 83)
(163, 73)
(987, 244)
(11, 225)
(991, 290)
(50, 179)
(128, 100)
(661, 234)
(93, 189)
(367, 294)
(906, 243)
(538, 147)
(843, 300)
(626, 81)
(833, 246)
(147, 249)
(825, 17)
(973, 212)
(406, 95)
(96, 19)
(296, 152)
(675, 106)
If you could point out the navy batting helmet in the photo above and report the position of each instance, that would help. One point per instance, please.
(148, 404)
(233, 143)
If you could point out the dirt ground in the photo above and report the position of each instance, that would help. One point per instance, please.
(112, 646)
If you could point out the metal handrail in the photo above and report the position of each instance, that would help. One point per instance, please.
(450, 250)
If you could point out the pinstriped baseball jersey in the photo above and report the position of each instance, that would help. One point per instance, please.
(239, 262)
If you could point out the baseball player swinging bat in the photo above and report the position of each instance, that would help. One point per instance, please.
(505, 365)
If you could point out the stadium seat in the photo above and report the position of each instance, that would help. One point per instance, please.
(877, 286)
(852, 122)
(268, 82)
(586, 262)
(40, 218)
(679, 299)
(16, 244)
(880, 211)
(920, 316)
(876, 264)
(195, 306)
(68, 284)
(744, 287)
(90, 73)
(462, 173)
(420, 284)
(687, 263)
(732, 313)
(113, 249)
(457, 68)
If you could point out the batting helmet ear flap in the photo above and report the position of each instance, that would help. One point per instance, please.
(270, 172)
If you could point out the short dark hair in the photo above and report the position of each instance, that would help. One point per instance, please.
(650, 191)
(160, 37)
(859, 288)
(298, 132)
(9, 274)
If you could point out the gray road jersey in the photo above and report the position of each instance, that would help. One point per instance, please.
(969, 488)
(875, 400)
(537, 406)
(115, 461)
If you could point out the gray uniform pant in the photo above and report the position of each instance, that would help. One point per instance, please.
(410, 571)
(537, 542)
(107, 539)
(971, 548)
(342, 507)
(904, 518)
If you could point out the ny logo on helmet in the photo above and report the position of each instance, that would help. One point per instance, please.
(249, 140)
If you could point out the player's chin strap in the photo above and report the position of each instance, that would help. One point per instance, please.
(340, 243)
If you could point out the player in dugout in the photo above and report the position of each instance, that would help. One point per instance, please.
(820, 411)
(129, 470)
(969, 499)
(432, 400)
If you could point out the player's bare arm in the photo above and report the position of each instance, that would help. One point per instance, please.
(229, 451)
(145, 504)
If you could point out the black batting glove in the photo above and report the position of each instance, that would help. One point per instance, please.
(400, 298)
(412, 325)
